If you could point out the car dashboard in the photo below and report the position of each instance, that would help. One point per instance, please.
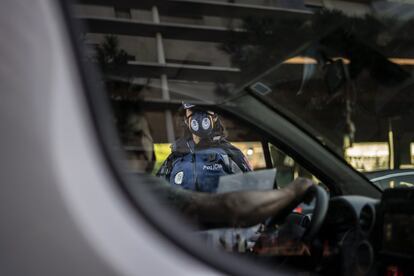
(364, 236)
(359, 236)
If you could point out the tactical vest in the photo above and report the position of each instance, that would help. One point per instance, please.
(200, 170)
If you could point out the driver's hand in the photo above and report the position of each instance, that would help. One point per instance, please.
(300, 186)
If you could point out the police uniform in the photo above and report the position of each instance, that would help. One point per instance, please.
(198, 167)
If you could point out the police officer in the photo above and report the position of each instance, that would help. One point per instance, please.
(203, 155)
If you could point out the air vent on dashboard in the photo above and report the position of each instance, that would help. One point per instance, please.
(367, 218)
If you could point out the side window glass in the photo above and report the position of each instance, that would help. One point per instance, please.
(287, 167)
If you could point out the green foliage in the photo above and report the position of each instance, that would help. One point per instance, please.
(111, 58)
(109, 53)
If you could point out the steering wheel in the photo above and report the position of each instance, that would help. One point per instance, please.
(318, 214)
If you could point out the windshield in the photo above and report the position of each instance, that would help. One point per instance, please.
(346, 79)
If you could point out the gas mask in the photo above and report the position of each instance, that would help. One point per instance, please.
(201, 124)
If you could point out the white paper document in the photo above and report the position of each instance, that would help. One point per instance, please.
(258, 180)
